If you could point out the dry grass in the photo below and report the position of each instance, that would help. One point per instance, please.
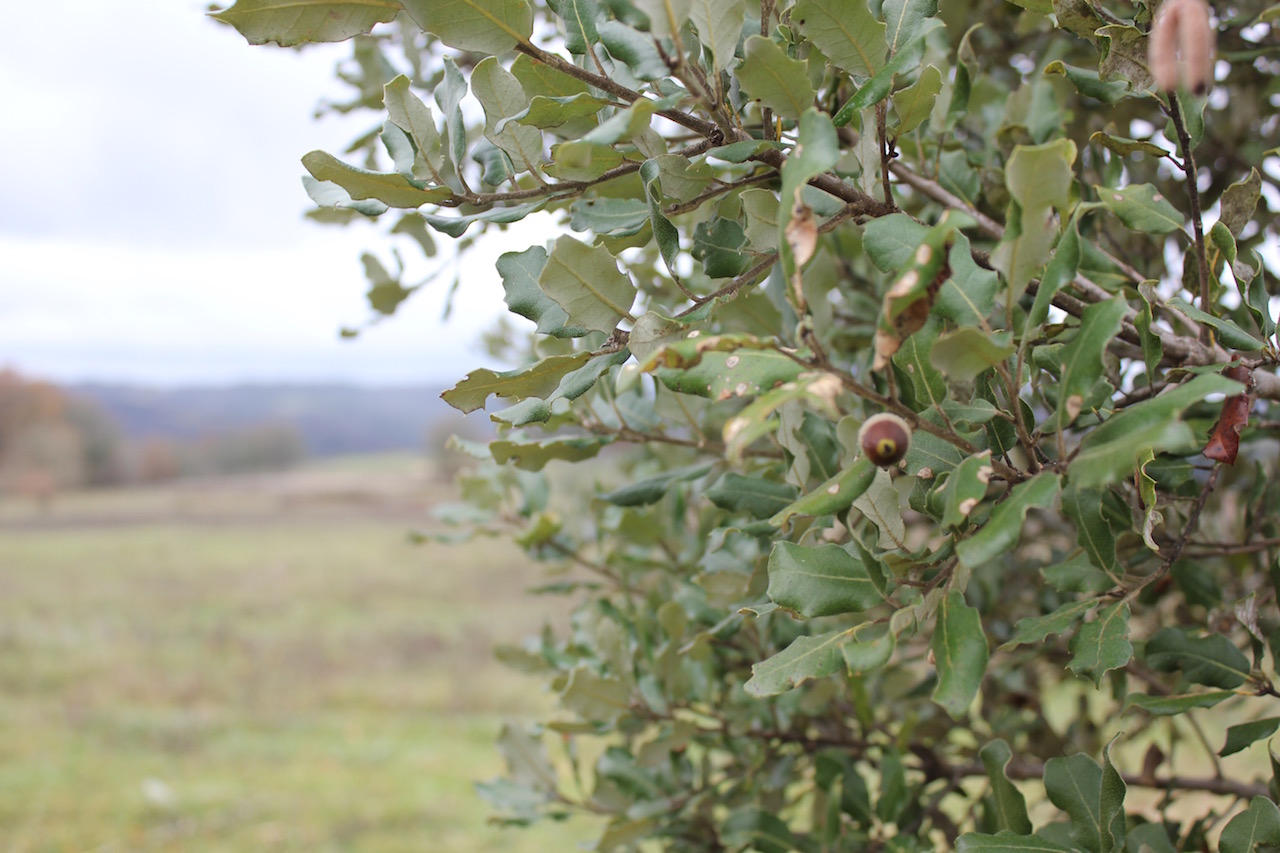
(261, 664)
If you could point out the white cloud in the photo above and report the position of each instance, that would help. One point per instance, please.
(152, 222)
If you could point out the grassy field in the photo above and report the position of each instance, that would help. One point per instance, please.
(256, 664)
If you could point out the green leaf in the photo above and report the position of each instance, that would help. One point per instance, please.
(667, 236)
(1212, 661)
(1228, 332)
(718, 243)
(862, 656)
(482, 26)
(582, 161)
(595, 697)
(1110, 451)
(965, 352)
(1082, 364)
(1034, 629)
(586, 282)
(775, 79)
(1010, 806)
(1122, 56)
(1239, 201)
(571, 387)
(807, 657)
(1074, 784)
(1039, 178)
(1152, 347)
(1102, 644)
(755, 496)
(756, 829)
(1077, 575)
(520, 271)
(968, 296)
(1257, 825)
(880, 86)
(882, 506)
(621, 217)
(1174, 704)
(817, 149)
(502, 97)
(1147, 495)
(1149, 838)
(822, 581)
(294, 22)
(965, 489)
(1142, 208)
(1006, 842)
(722, 374)
(905, 19)
(456, 226)
(392, 189)
(915, 103)
(536, 380)
(836, 494)
(719, 24)
(1111, 819)
(449, 97)
(960, 653)
(1246, 734)
(890, 241)
(651, 489)
(543, 111)
(1123, 145)
(666, 17)
(1090, 84)
(925, 382)
(633, 49)
(533, 456)
(1001, 532)
(580, 18)
(414, 117)
(846, 32)
(1084, 507)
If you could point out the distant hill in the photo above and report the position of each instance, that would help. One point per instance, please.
(331, 419)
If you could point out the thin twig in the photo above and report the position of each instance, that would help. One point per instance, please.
(1193, 195)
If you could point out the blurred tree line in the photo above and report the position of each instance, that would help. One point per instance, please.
(51, 441)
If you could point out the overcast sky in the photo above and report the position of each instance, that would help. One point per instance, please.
(152, 223)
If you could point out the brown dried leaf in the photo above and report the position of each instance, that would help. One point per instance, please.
(1224, 438)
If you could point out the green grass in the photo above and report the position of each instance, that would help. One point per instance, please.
(282, 681)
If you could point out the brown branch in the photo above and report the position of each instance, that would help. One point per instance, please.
(1193, 195)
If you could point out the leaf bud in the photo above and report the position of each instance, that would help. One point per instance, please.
(885, 438)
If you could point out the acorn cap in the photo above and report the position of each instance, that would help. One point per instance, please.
(885, 438)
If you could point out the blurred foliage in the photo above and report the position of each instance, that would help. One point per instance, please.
(775, 221)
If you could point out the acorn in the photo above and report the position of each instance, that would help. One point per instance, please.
(885, 438)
